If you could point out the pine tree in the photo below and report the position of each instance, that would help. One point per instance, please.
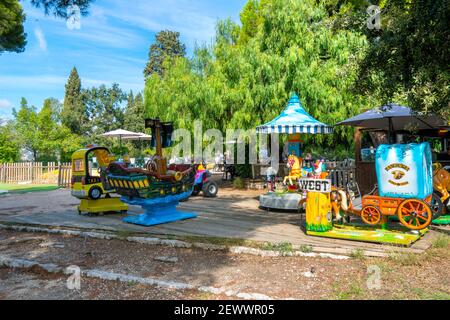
(74, 112)
(12, 36)
(167, 45)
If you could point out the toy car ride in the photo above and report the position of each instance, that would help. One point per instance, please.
(204, 184)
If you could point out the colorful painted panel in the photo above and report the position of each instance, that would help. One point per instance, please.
(404, 170)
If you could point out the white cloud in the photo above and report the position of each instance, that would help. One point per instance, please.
(40, 38)
(181, 15)
(5, 104)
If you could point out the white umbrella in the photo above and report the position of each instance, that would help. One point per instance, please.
(141, 136)
(120, 133)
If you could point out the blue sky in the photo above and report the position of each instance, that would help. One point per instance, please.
(110, 46)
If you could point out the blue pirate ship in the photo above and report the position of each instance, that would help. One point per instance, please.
(156, 180)
(158, 188)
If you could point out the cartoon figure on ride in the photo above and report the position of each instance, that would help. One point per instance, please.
(295, 172)
(405, 188)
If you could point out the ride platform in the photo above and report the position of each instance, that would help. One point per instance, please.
(158, 210)
(442, 220)
(398, 236)
(280, 201)
(103, 205)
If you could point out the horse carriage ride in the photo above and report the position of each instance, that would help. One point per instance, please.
(405, 188)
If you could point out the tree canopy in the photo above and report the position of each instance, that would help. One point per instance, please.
(409, 57)
(247, 76)
(74, 113)
(12, 35)
(167, 45)
(12, 18)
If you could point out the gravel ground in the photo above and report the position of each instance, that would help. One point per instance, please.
(402, 277)
(31, 285)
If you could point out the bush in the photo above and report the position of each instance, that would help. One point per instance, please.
(239, 183)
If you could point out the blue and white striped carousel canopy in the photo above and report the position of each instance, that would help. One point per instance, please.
(294, 119)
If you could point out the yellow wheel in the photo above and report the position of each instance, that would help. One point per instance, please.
(371, 215)
(414, 214)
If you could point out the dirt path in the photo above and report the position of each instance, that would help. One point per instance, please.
(403, 276)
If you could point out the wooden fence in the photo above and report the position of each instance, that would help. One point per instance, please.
(341, 173)
(36, 173)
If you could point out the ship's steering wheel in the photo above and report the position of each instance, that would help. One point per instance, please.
(151, 165)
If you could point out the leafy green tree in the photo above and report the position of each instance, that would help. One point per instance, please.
(247, 82)
(12, 35)
(166, 46)
(134, 113)
(27, 128)
(9, 148)
(409, 58)
(104, 108)
(74, 115)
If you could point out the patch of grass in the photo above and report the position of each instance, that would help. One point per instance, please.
(405, 259)
(357, 254)
(441, 241)
(123, 234)
(424, 295)
(283, 247)
(239, 183)
(22, 188)
(306, 248)
(229, 242)
(132, 283)
(354, 291)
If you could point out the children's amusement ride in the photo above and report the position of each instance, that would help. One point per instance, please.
(90, 185)
(294, 121)
(156, 188)
(203, 183)
(405, 187)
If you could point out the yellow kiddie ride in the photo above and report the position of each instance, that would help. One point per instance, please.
(90, 184)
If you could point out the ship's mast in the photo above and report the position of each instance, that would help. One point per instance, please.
(160, 161)
(155, 125)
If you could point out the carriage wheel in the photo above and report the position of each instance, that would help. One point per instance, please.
(436, 206)
(414, 214)
(371, 215)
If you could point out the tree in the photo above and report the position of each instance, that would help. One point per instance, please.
(166, 46)
(12, 35)
(9, 148)
(248, 82)
(61, 8)
(27, 128)
(57, 141)
(408, 60)
(74, 114)
(104, 108)
(134, 114)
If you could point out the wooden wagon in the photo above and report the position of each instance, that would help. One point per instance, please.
(415, 214)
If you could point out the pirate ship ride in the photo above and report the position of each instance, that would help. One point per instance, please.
(157, 188)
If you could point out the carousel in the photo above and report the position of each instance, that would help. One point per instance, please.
(295, 122)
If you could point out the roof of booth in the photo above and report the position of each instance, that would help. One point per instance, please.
(294, 119)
